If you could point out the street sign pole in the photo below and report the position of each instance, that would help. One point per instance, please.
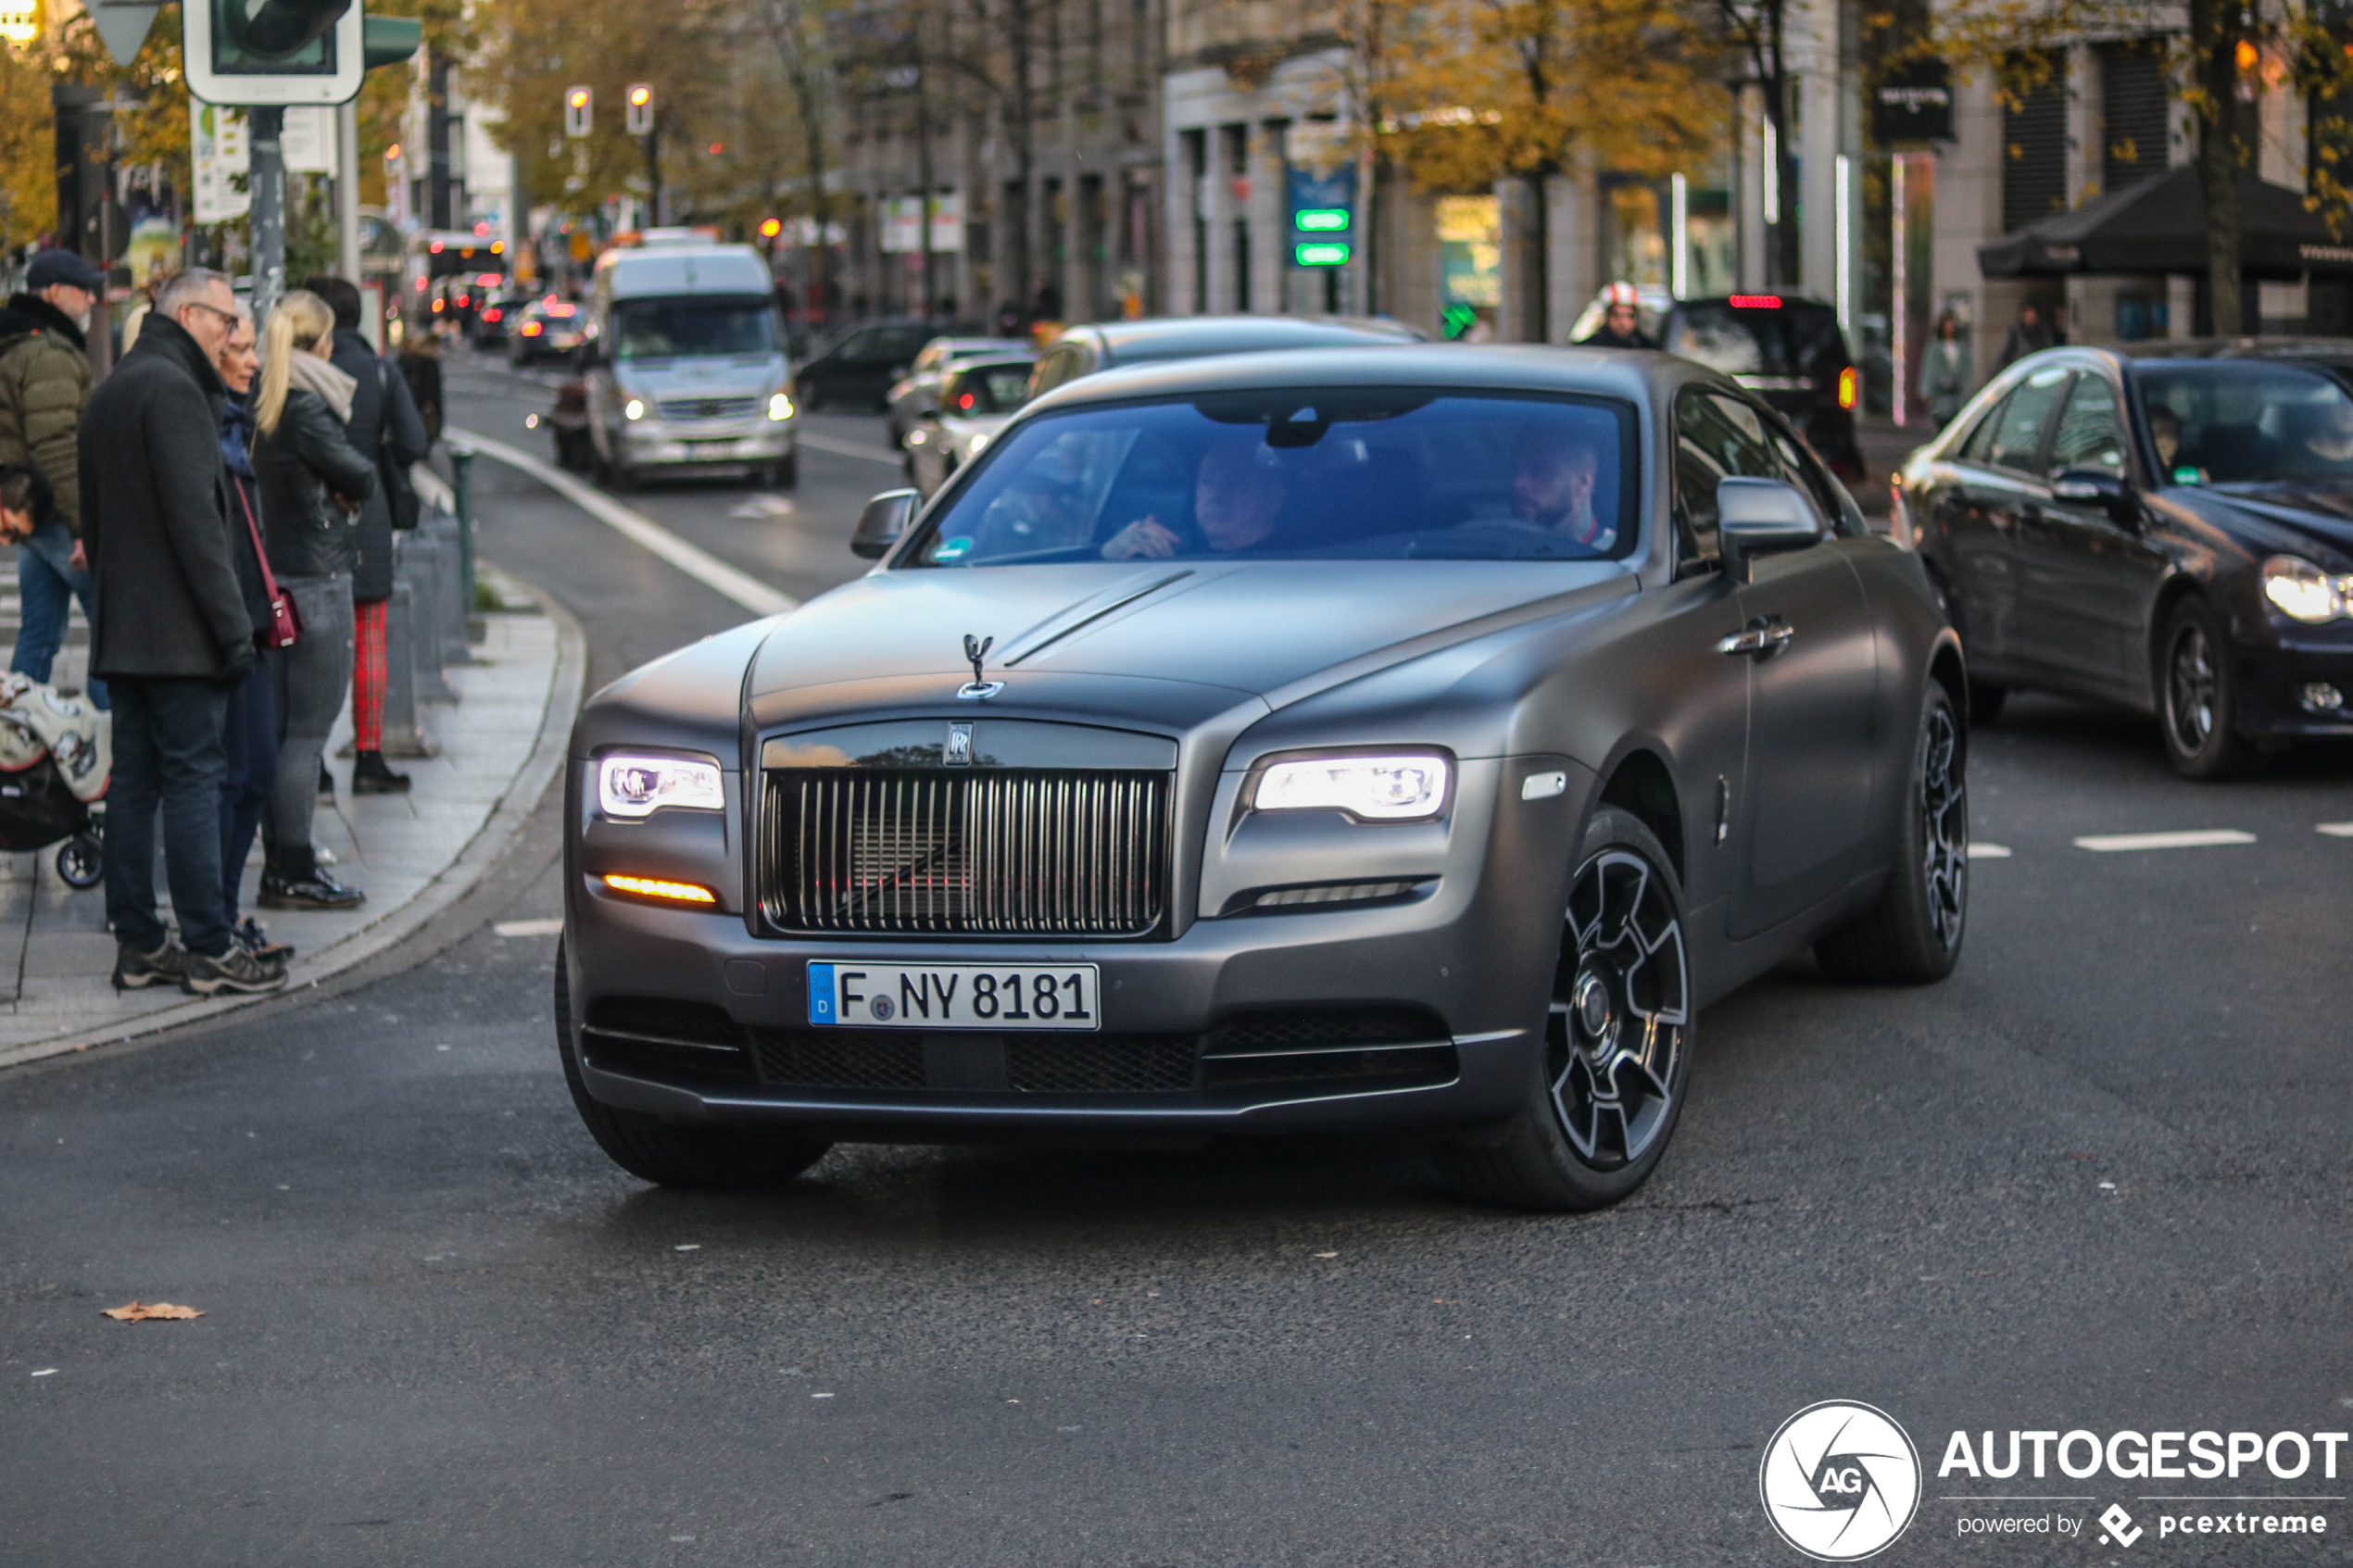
(265, 128)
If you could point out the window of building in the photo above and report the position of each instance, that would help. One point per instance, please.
(2136, 127)
(2034, 144)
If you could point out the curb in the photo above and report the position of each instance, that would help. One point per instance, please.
(482, 851)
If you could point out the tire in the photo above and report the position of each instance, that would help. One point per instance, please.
(1913, 934)
(1985, 699)
(1604, 1096)
(82, 861)
(670, 1155)
(2198, 696)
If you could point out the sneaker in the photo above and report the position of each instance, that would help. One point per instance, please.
(236, 970)
(317, 891)
(250, 936)
(372, 775)
(134, 970)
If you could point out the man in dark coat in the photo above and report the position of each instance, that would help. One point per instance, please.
(385, 429)
(44, 383)
(172, 634)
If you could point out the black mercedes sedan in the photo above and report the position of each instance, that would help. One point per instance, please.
(1412, 737)
(2169, 528)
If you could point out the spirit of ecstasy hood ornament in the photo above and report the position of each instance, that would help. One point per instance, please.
(979, 688)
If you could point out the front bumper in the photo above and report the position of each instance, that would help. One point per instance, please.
(2276, 682)
(665, 446)
(1425, 1012)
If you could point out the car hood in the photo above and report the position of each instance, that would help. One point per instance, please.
(2319, 512)
(1167, 642)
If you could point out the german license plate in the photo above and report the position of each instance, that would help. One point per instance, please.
(895, 995)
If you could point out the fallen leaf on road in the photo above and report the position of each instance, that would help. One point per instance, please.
(140, 1311)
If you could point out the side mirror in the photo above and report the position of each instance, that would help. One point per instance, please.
(1759, 517)
(885, 519)
(2094, 487)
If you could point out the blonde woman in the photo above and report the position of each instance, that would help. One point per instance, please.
(312, 481)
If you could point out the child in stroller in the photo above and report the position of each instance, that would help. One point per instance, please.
(54, 751)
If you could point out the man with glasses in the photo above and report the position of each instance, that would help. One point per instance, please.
(172, 634)
(44, 383)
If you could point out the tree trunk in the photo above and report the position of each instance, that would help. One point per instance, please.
(2221, 151)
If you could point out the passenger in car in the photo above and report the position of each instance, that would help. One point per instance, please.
(1238, 497)
(1552, 479)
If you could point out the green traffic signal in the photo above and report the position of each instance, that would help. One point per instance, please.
(1321, 254)
(1320, 220)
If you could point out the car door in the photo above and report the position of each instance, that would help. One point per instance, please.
(2084, 571)
(1999, 477)
(1814, 710)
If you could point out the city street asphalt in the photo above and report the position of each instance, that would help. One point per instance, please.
(2096, 1180)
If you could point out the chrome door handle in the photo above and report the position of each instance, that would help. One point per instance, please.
(1757, 639)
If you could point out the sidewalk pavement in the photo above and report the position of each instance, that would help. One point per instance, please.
(415, 854)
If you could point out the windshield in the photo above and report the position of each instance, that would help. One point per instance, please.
(1338, 473)
(2235, 422)
(983, 390)
(660, 328)
(1794, 339)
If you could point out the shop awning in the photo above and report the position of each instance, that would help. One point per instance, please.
(2159, 226)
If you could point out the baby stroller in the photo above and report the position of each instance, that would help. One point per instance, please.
(56, 756)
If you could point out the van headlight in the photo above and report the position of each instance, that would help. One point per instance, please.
(634, 409)
(2303, 592)
(1380, 787)
(634, 786)
(779, 406)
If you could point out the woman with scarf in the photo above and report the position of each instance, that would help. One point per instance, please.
(312, 483)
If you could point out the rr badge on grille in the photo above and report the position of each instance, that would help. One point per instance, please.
(959, 747)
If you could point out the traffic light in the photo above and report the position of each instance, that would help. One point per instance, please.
(266, 52)
(1323, 215)
(577, 102)
(637, 117)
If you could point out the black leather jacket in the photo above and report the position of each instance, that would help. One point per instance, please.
(298, 465)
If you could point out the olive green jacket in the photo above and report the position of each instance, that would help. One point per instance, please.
(44, 384)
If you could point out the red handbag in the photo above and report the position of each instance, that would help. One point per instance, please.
(286, 626)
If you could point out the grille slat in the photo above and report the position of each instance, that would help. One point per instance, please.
(1011, 852)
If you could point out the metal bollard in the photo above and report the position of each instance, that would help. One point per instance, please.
(462, 463)
(452, 606)
(404, 737)
(418, 565)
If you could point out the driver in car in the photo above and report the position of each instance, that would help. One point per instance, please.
(1237, 499)
(1552, 479)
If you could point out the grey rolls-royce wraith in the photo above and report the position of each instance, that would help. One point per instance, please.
(1408, 737)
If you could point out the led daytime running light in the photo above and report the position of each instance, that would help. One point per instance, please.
(655, 888)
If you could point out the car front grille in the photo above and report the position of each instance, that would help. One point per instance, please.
(1011, 852)
(687, 410)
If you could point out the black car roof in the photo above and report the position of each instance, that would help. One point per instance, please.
(1634, 374)
(1169, 337)
(2334, 350)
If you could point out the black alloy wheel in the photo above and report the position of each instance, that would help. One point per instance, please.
(1913, 934)
(1616, 1051)
(666, 1153)
(2199, 695)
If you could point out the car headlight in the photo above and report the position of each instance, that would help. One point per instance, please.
(634, 409)
(2303, 592)
(631, 787)
(1386, 788)
(779, 406)
(976, 442)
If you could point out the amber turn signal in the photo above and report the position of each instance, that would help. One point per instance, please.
(668, 892)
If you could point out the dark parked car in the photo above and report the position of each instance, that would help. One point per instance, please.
(2170, 529)
(856, 369)
(1409, 737)
(1787, 351)
(1082, 351)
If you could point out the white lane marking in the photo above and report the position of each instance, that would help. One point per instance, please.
(1989, 851)
(762, 506)
(2335, 829)
(2196, 838)
(836, 444)
(703, 567)
(530, 927)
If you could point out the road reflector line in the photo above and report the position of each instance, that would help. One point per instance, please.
(2336, 829)
(2195, 839)
(554, 927)
(1989, 851)
(840, 447)
(703, 566)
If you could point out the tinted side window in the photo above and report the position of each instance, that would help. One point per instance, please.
(2091, 432)
(2018, 435)
(1716, 437)
(1800, 468)
(1979, 447)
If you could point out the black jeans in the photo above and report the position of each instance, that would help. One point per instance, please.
(249, 736)
(168, 753)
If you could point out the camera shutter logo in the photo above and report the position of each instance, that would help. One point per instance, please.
(1840, 1481)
